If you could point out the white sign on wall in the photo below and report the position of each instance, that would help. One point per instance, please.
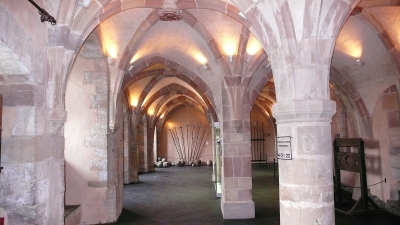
(284, 147)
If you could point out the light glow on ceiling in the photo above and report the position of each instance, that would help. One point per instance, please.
(253, 46)
(200, 58)
(136, 56)
(170, 125)
(134, 101)
(229, 48)
(111, 49)
(351, 47)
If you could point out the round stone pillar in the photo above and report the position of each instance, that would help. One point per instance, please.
(306, 193)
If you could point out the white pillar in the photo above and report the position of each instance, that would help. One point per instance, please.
(306, 193)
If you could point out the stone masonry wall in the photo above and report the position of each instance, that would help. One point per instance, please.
(32, 181)
(89, 143)
(97, 137)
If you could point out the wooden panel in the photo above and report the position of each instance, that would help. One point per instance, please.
(348, 142)
(348, 161)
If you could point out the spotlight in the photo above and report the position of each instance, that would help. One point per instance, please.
(359, 62)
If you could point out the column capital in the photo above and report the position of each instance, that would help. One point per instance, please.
(315, 110)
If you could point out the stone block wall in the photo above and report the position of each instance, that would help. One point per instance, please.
(89, 163)
(32, 181)
(98, 128)
(33, 176)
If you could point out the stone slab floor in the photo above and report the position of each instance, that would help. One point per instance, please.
(185, 195)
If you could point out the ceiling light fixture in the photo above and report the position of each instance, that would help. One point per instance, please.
(205, 66)
(230, 50)
(359, 62)
(110, 60)
(248, 58)
(230, 58)
(242, 15)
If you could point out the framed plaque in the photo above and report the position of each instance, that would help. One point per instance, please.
(284, 147)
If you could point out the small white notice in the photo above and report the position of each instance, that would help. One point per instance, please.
(284, 147)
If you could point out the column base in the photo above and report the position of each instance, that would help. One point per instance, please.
(238, 210)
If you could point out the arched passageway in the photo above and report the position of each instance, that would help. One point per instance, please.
(90, 96)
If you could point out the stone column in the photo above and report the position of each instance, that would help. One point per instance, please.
(150, 147)
(130, 151)
(134, 144)
(134, 153)
(237, 202)
(305, 182)
(142, 143)
(237, 199)
(127, 165)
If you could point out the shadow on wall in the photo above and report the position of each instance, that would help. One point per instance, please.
(75, 182)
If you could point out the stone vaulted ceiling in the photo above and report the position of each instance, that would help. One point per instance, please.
(163, 59)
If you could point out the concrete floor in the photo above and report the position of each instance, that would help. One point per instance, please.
(185, 195)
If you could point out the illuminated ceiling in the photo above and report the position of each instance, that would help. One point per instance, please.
(138, 37)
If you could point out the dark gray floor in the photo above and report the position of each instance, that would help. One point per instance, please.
(185, 195)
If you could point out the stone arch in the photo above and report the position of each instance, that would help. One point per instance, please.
(192, 21)
(182, 98)
(102, 10)
(265, 105)
(159, 122)
(384, 36)
(260, 85)
(153, 82)
(182, 73)
(172, 89)
(169, 89)
(220, 6)
(354, 100)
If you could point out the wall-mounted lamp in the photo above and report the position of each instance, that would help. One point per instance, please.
(230, 50)
(242, 15)
(130, 67)
(230, 58)
(359, 62)
(205, 66)
(248, 58)
(110, 60)
(84, 3)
